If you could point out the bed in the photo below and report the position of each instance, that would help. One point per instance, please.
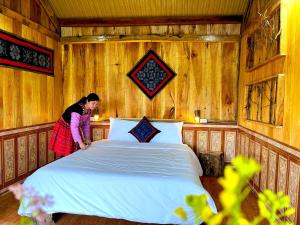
(142, 182)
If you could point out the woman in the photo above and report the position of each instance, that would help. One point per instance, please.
(73, 128)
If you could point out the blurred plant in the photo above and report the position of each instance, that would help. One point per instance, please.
(272, 207)
(35, 204)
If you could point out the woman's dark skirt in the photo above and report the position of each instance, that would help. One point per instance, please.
(61, 141)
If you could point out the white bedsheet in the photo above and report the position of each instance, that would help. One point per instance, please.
(140, 182)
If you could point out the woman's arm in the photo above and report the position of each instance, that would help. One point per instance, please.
(74, 125)
(86, 128)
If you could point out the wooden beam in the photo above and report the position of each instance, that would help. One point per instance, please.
(146, 21)
(50, 13)
(14, 15)
(247, 14)
(149, 38)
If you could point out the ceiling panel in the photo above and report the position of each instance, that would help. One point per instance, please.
(146, 8)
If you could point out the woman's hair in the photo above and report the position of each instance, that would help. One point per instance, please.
(92, 97)
(89, 98)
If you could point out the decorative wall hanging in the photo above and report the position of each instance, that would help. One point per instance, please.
(263, 43)
(17, 52)
(151, 74)
(250, 51)
(264, 100)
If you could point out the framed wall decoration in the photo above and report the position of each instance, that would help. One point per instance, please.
(264, 100)
(20, 53)
(250, 51)
(151, 74)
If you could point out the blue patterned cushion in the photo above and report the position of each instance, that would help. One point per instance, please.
(144, 131)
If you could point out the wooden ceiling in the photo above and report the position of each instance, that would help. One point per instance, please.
(70, 11)
(146, 8)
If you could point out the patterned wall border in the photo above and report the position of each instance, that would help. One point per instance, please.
(280, 166)
(20, 152)
(1, 163)
(270, 141)
(25, 129)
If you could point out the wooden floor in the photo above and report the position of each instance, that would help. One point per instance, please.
(9, 207)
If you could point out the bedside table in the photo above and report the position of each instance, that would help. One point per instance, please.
(212, 163)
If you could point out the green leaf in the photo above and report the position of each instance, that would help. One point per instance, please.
(289, 212)
(216, 219)
(263, 210)
(272, 206)
(243, 221)
(181, 213)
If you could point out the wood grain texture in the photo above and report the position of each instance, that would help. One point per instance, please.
(256, 177)
(272, 168)
(202, 141)
(145, 8)
(200, 83)
(264, 168)
(160, 30)
(22, 156)
(1, 164)
(9, 156)
(168, 30)
(149, 38)
(229, 145)
(282, 174)
(188, 137)
(42, 149)
(28, 98)
(25, 20)
(294, 189)
(205, 79)
(36, 11)
(146, 21)
(289, 65)
(32, 152)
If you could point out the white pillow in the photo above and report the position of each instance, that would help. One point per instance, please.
(119, 129)
(170, 132)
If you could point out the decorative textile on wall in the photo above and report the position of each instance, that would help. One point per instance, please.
(151, 74)
(17, 52)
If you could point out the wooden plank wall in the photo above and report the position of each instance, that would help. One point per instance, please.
(207, 72)
(288, 65)
(37, 11)
(28, 98)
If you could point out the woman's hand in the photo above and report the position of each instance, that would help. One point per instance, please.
(87, 141)
(82, 145)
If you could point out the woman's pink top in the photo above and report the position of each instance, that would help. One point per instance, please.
(80, 124)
